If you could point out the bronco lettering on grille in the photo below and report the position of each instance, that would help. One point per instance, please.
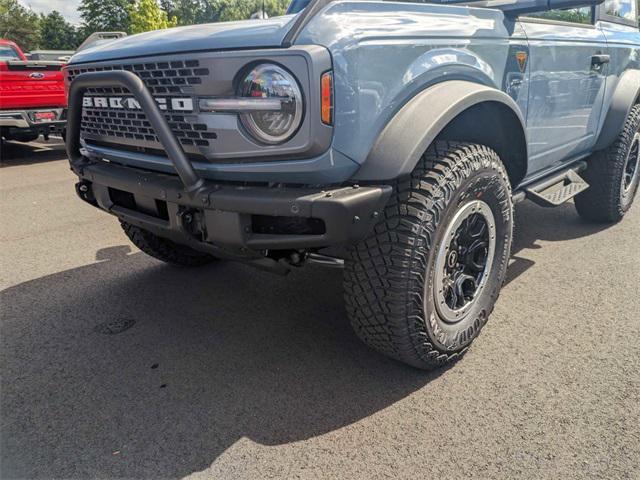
(128, 103)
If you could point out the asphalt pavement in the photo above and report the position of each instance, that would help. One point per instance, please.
(114, 365)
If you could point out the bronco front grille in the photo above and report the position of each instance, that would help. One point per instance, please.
(114, 124)
(135, 126)
(125, 126)
(161, 78)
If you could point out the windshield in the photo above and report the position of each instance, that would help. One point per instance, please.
(7, 52)
(297, 6)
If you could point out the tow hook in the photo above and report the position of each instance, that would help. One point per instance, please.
(85, 192)
(190, 222)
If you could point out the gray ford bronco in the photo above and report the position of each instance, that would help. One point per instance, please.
(389, 139)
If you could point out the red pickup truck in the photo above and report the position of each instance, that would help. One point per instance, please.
(33, 99)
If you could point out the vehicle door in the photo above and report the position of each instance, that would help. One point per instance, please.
(618, 20)
(568, 62)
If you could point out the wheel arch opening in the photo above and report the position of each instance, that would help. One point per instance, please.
(497, 126)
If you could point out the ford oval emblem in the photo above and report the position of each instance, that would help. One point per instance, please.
(37, 76)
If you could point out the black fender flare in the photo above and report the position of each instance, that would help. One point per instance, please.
(418, 123)
(626, 95)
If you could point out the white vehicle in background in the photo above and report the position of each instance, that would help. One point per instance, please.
(94, 40)
(100, 38)
(50, 55)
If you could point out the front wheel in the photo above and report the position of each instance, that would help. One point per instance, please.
(423, 284)
(165, 250)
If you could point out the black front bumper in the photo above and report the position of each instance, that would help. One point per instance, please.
(205, 215)
(222, 217)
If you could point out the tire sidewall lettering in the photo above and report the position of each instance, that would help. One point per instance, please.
(487, 184)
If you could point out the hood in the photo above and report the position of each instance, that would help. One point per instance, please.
(216, 36)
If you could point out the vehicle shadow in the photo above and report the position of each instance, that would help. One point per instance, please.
(215, 355)
(534, 224)
(16, 153)
(203, 358)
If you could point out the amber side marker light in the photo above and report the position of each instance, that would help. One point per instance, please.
(326, 88)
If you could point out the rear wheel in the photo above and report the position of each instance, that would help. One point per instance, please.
(613, 175)
(165, 250)
(423, 284)
(25, 137)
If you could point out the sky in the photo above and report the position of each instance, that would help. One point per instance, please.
(68, 8)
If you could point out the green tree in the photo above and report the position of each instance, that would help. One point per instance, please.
(19, 24)
(189, 12)
(56, 33)
(228, 10)
(105, 16)
(146, 15)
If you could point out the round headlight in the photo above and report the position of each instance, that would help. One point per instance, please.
(272, 126)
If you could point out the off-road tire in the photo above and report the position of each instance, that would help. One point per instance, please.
(605, 201)
(165, 250)
(389, 276)
(25, 138)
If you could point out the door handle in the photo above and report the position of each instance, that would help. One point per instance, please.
(599, 59)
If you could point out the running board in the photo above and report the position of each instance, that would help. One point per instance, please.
(558, 189)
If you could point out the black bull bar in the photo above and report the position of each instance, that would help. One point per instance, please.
(348, 212)
(136, 87)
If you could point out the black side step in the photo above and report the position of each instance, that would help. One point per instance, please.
(558, 189)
